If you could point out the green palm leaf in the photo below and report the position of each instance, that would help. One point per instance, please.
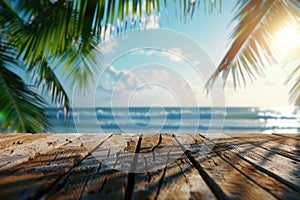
(45, 78)
(79, 66)
(21, 108)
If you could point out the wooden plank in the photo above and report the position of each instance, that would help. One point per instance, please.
(20, 140)
(292, 136)
(294, 144)
(272, 144)
(32, 178)
(13, 155)
(7, 136)
(72, 184)
(279, 167)
(153, 154)
(95, 176)
(146, 183)
(297, 135)
(263, 180)
(182, 180)
(113, 177)
(286, 141)
(166, 172)
(225, 181)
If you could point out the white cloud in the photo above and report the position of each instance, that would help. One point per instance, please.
(160, 75)
(175, 54)
(130, 81)
(147, 52)
(111, 70)
(149, 85)
(108, 46)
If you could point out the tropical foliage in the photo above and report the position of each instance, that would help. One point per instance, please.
(255, 42)
(48, 39)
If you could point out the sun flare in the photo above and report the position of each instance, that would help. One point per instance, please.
(287, 39)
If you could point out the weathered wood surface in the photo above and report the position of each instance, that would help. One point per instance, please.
(20, 148)
(149, 166)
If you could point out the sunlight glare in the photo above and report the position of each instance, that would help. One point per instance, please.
(287, 39)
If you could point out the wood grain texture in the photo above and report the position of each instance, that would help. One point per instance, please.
(167, 174)
(8, 136)
(182, 181)
(292, 136)
(32, 178)
(280, 167)
(20, 140)
(25, 147)
(233, 183)
(72, 185)
(110, 180)
(263, 180)
(283, 146)
(149, 166)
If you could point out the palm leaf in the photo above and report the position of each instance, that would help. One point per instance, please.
(30, 8)
(10, 23)
(46, 79)
(54, 36)
(79, 67)
(295, 90)
(21, 107)
(253, 45)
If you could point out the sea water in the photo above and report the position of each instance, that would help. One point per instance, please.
(176, 120)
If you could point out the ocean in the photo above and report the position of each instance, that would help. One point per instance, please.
(176, 120)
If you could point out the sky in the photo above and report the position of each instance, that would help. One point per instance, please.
(168, 62)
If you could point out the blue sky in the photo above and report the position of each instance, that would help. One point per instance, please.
(149, 68)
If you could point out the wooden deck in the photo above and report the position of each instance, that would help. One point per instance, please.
(149, 166)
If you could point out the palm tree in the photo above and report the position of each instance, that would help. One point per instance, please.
(45, 37)
(255, 42)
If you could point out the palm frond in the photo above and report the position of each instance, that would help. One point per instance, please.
(46, 35)
(79, 66)
(295, 90)
(10, 22)
(29, 8)
(21, 107)
(253, 46)
(46, 79)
